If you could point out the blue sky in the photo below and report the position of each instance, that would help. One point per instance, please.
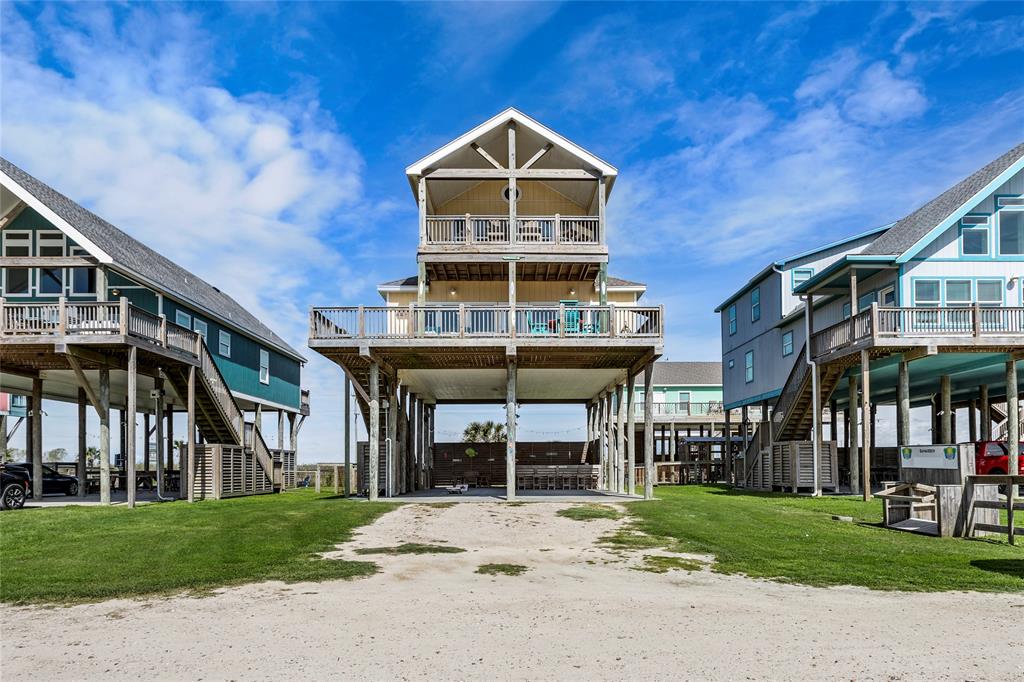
(263, 145)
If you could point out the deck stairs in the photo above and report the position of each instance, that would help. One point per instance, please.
(218, 416)
(792, 414)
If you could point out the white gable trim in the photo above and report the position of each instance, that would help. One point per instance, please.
(58, 222)
(959, 213)
(510, 114)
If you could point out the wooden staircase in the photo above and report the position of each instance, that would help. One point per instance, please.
(218, 416)
(793, 411)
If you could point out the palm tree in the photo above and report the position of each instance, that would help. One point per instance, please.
(484, 432)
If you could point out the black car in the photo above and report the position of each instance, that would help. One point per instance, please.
(14, 487)
(54, 482)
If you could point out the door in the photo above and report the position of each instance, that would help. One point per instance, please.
(887, 297)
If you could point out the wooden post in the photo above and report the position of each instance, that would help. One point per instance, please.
(336, 482)
(512, 298)
(145, 441)
(512, 189)
(833, 410)
(170, 439)
(903, 404)
(648, 431)
(726, 449)
(972, 420)
(602, 193)
(104, 436)
(402, 439)
(189, 469)
(392, 436)
(421, 195)
(158, 414)
(631, 436)
(620, 445)
(672, 441)
(986, 412)
(37, 438)
(602, 444)
(865, 364)
(83, 481)
(420, 440)
(131, 436)
(347, 417)
(373, 437)
(945, 420)
(609, 433)
(317, 484)
(854, 436)
(1012, 438)
(510, 429)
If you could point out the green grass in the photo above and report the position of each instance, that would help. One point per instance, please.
(76, 554)
(589, 512)
(794, 539)
(411, 548)
(501, 569)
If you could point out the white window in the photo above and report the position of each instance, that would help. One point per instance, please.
(755, 305)
(748, 366)
(732, 319)
(83, 280)
(1011, 233)
(50, 245)
(927, 293)
(958, 292)
(224, 343)
(787, 343)
(732, 363)
(201, 328)
(801, 275)
(265, 367)
(182, 318)
(990, 292)
(16, 280)
(887, 297)
(1010, 201)
(846, 311)
(865, 301)
(974, 241)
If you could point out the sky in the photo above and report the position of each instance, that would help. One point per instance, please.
(263, 145)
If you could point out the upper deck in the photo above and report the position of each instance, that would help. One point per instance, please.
(511, 187)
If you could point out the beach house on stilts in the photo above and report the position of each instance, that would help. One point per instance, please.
(511, 304)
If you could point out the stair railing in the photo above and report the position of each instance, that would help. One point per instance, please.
(219, 390)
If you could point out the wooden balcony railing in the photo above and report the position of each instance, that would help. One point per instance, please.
(466, 230)
(684, 409)
(91, 318)
(936, 322)
(486, 321)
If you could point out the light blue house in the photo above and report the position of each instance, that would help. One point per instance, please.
(924, 311)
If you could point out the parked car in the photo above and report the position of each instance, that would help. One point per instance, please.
(992, 458)
(54, 482)
(14, 486)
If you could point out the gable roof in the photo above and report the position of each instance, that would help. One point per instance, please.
(416, 169)
(687, 374)
(908, 235)
(124, 253)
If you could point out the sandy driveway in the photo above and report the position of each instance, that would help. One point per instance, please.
(580, 612)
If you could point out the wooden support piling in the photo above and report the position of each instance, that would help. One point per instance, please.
(510, 430)
(649, 431)
(83, 482)
(373, 437)
(131, 436)
(104, 415)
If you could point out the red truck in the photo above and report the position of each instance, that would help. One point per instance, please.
(990, 457)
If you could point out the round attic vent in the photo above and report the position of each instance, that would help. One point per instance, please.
(506, 191)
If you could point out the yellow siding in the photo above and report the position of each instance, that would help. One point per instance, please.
(485, 199)
(497, 292)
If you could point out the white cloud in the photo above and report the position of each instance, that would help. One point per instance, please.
(882, 98)
(830, 75)
(238, 188)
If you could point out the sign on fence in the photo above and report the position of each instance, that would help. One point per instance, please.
(929, 457)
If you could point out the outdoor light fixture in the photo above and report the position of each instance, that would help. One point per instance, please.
(572, 291)
(451, 292)
(116, 293)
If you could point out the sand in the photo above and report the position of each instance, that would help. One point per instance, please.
(579, 612)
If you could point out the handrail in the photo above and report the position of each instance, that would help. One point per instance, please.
(939, 321)
(467, 229)
(94, 318)
(429, 321)
(219, 389)
(262, 453)
(684, 408)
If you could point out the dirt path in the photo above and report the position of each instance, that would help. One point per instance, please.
(579, 612)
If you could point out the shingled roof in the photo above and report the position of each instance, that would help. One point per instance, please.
(687, 373)
(139, 261)
(908, 231)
